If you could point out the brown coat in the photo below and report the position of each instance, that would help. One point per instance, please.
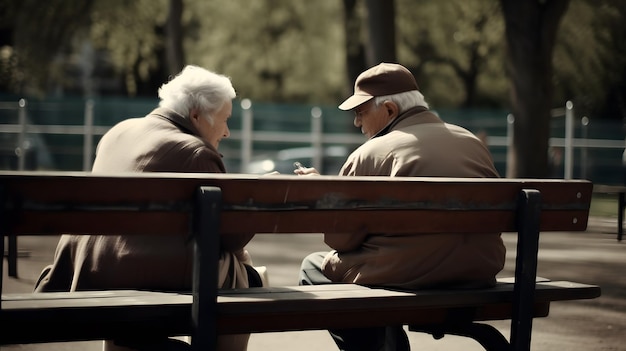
(417, 143)
(162, 141)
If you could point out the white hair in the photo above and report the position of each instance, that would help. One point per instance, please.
(404, 100)
(196, 88)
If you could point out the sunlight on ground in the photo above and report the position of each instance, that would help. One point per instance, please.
(603, 206)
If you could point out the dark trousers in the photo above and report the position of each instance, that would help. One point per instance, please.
(391, 338)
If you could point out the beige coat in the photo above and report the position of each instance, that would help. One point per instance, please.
(417, 143)
(162, 141)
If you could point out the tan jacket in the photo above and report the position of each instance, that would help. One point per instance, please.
(417, 143)
(161, 141)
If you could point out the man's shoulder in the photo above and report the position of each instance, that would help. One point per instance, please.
(377, 144)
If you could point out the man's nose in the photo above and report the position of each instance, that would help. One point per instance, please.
(357, 121)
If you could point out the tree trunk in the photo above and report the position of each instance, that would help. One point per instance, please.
(381, 32)
(531, 28)
(174, 38)
(355, 51)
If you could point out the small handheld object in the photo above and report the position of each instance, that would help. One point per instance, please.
(299, 166)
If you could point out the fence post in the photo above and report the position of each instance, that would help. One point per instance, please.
(510, 157)
(584, 152)
(316, 138)
(88, 136)
(246, 134)
(569, 136)
(21, 149)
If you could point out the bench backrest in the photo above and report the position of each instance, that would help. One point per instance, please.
(53, 203)
(202, 205)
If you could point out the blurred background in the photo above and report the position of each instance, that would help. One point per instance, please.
(70, 69)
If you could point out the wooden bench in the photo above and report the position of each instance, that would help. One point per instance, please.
(203, 205)
(620, 191)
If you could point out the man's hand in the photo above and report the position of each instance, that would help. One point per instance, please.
(304, 171)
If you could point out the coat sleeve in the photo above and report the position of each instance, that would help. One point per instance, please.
(205, 160)
(59, 275)
(343, 242)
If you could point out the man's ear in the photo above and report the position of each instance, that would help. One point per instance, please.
(391, 109)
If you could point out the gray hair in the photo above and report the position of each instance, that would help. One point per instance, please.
(404, 100)
(196, 88)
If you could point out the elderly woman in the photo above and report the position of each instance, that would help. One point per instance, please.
(181, 135)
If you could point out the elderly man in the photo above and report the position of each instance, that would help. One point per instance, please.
(404, 139)
(181, 135)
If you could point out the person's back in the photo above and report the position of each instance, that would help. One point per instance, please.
(405, 139)
(422, 145)
(181, 135)
(162, 141)
(419, 145)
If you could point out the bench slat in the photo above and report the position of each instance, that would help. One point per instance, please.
(280, 204)
(262, 309)
(161, 223)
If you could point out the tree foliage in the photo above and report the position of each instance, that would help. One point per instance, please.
(455, 50)
(590, 58)
(38, 30)
(276, 50)
(297, 51)
(132, 33)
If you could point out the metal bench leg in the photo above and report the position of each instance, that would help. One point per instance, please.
(528, 217)
(2, 230)
(486, 335)
(12, 255)
(206, 255)
(620, 216)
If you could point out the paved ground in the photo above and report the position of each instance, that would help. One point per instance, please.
(593, 257)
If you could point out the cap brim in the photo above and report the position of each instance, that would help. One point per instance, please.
(354, 101)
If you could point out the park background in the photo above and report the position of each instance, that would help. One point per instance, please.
(70, 69)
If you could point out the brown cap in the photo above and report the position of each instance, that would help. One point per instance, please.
(381, 80)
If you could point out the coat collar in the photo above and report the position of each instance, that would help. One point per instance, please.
(414, 115)
(180, 121)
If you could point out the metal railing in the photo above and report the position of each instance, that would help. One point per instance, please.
(245, 136)
(315, 137)
(569, 142)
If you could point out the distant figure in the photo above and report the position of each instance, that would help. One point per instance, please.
(181, 135)
(555, 159)
(404, 139)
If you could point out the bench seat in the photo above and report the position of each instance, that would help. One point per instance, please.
(88, 315)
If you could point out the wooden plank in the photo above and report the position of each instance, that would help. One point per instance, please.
(246, 189)
(364, 318)
(145, 203)
(609, 189)
(261, 191)
(336, 297)
(97, 314)
(331, 221)
(308, 298)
